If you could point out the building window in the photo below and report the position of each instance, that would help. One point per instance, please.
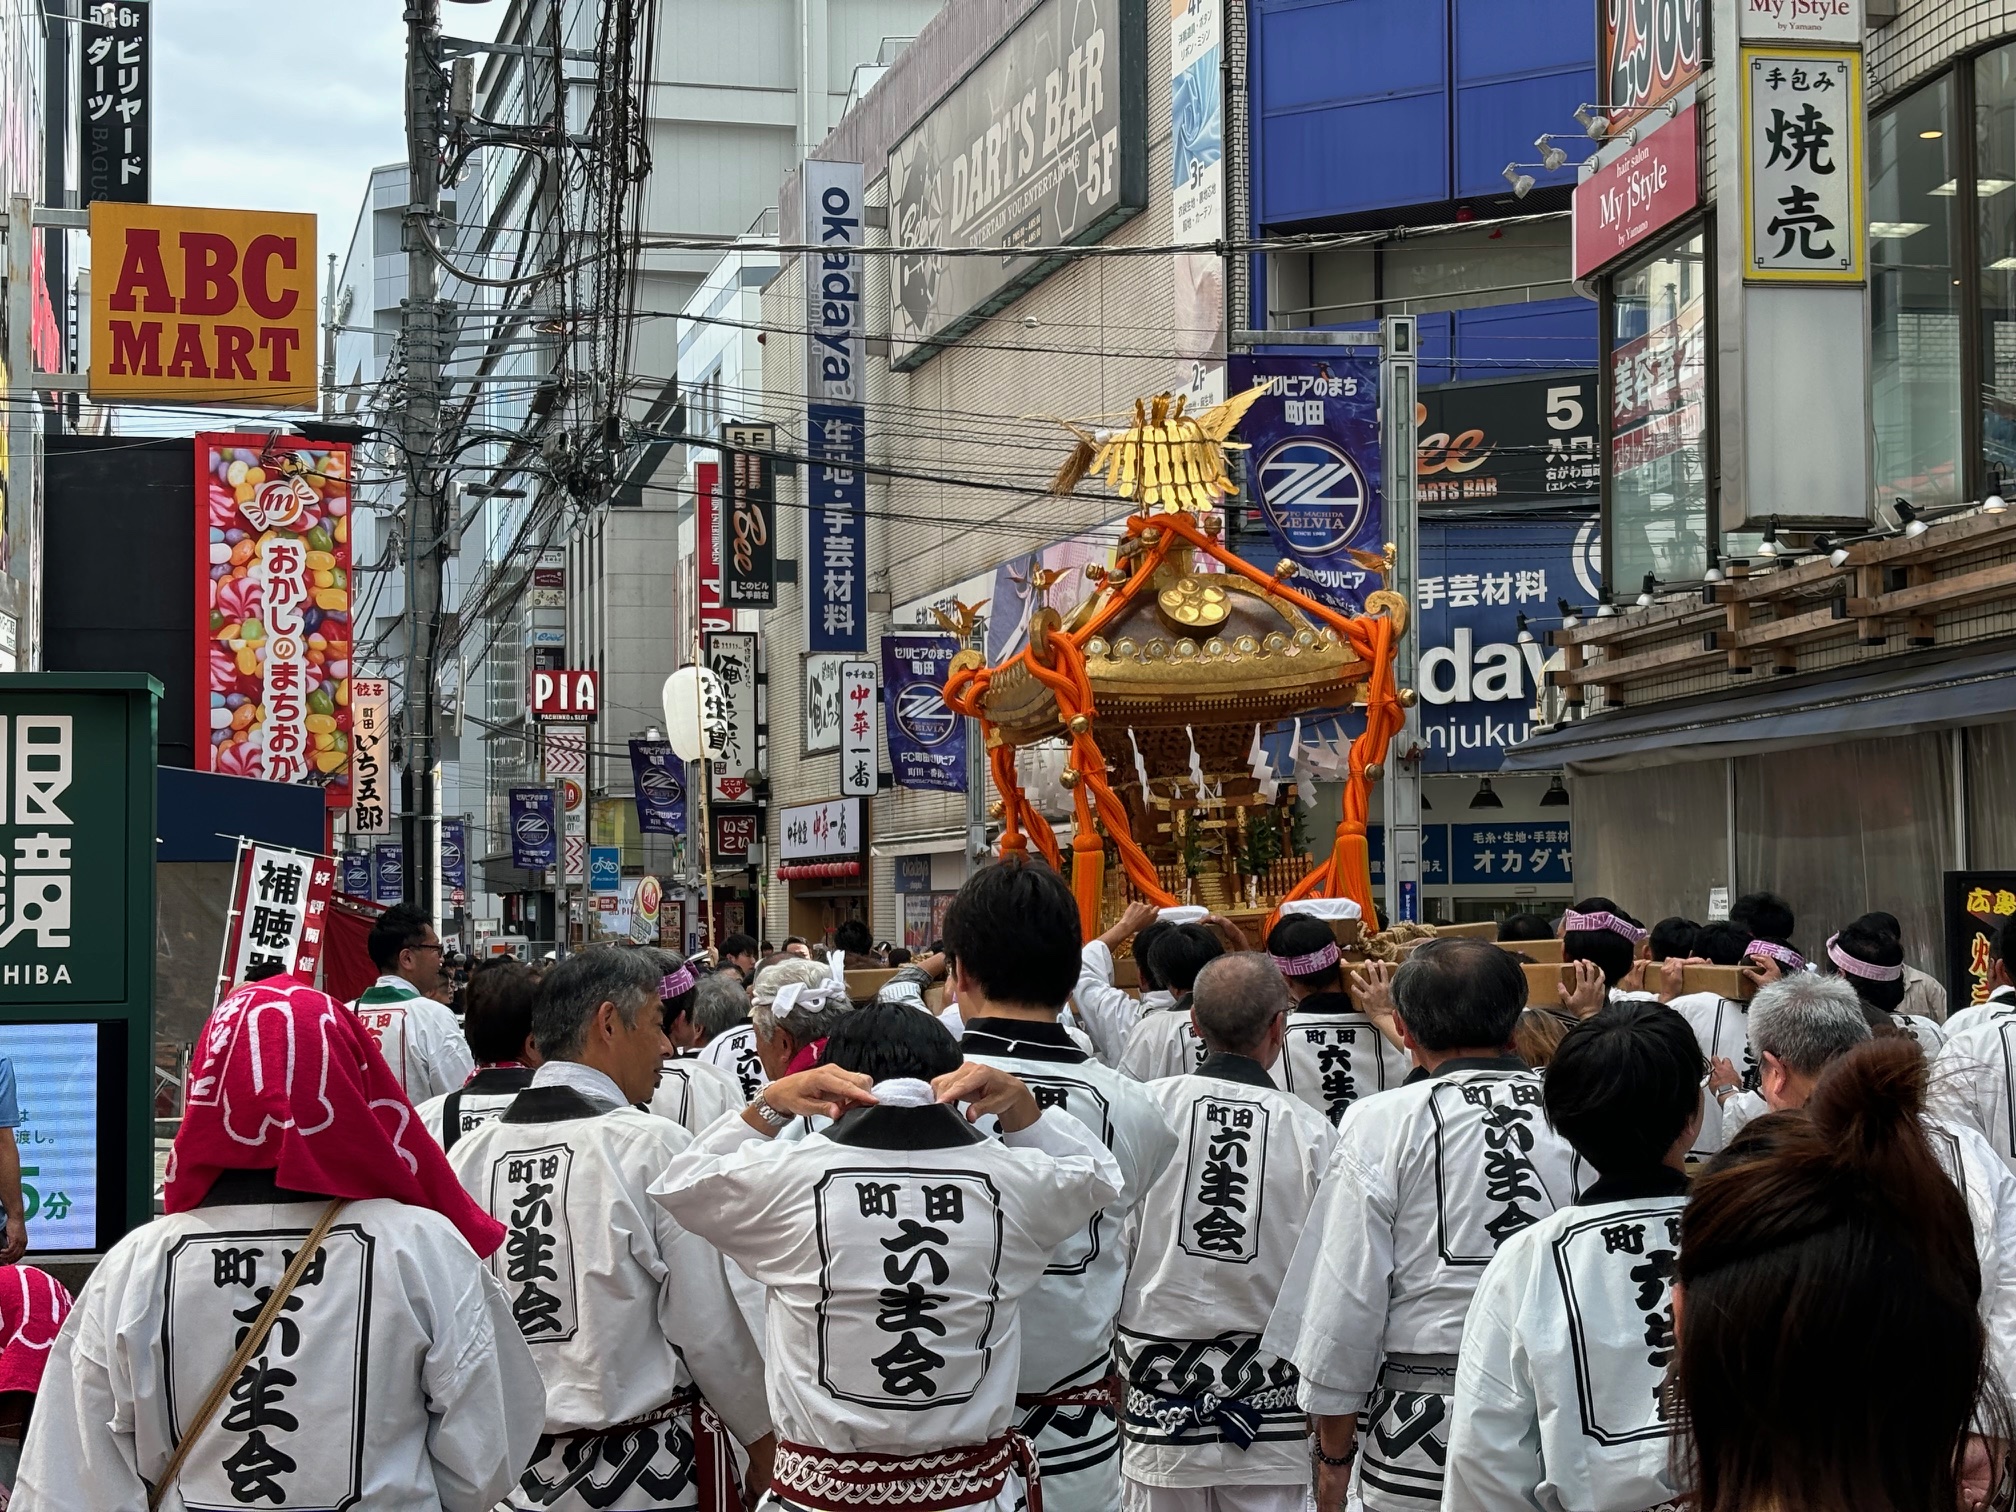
(1995, 215)
(1914, 298)
(1658, 520)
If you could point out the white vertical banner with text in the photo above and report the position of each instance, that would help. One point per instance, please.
(731, 657)
(370, 777)
(860, 717)
(1197, 204)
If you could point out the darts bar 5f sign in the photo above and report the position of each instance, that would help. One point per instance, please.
(749, 579)
(113, 97)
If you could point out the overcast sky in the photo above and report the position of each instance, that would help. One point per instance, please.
(261, 106)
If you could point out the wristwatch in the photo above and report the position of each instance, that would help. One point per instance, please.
(776, 1118)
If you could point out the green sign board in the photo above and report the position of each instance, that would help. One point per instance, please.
(77, 758)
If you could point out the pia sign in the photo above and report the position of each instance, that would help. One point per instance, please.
(563, 694)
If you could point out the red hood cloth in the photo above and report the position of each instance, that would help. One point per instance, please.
(286, 1079)
(33, 1305)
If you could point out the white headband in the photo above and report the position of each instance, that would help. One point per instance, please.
(794, 995)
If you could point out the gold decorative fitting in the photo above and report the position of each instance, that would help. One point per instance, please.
(1305, 637)
(1157, 650)
(1375, 771)
(1152, 534)
(1275, 640)
(1096, 647)
(1166, 460)
(1041, 623)
(1069, 777)
(968, 658)
(1406, 698)
(1393, 605)
(1081, 724)
(1214, 647)
(1284, 569)
(1214, 524)
(1095, 573)
(1195, 602)
(1246, 645)
(1126, 647)
(1186, 648)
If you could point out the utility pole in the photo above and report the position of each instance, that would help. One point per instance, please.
(420, 436)
(329, 345)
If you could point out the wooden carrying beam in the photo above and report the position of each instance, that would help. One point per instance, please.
(1543, 977)
(1533, 950)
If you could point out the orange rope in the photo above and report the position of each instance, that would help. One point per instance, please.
(1346, 872)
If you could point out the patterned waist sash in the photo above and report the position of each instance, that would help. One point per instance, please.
(1104, 1392)
(1236, 1419)
(713, 1458)
(963, 1476)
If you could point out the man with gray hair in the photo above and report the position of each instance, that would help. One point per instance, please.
(1427, 1181)
(727, 1038)
(1211, 1417)
(1801, 1022)
(629, 1316)
(793, 1006)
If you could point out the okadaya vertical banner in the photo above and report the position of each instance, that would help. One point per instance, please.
(273, 610)
(927, 741)
(749, 547)
(857, 729)
(836, 496)
(279, 911)
(1313, 470)
(534, 836)
(659, 780)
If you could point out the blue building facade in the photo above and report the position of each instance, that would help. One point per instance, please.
(1404, 113)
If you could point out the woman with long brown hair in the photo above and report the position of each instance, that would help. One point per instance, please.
(1820, 1254)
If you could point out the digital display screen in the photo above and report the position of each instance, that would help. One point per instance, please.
(67, 1080)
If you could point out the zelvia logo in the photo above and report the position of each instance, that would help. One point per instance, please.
(1314, 494)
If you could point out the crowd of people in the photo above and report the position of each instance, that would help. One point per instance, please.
(1279, 1229)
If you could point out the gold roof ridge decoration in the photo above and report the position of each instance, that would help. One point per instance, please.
(1166, 460)
(1159, 644)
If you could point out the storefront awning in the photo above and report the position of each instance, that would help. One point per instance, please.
(1903, 698)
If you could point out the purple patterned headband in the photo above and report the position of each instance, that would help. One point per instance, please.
(1869, 971)
(1784, 955)
(1310, 964)
(1578, 923)
(676, 983)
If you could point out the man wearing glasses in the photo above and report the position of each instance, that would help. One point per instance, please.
(418, 1037)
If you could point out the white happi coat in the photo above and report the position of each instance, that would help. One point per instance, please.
(693, 1092)
(1109, 1013)
(1426, 1183)
(1974, 1013)
(418, 1037)
(480, 1100)
(622, 1307)
(1990, 1189)
(1561, 1398)
(1211, 1248)
(1067, 1320)
(897, 1247)
(734, 1051)
(1974, 1077)
(1165, 1043)
(1721, 1028)
(394, 1376)
(1928, 1036)
(1333, 1055)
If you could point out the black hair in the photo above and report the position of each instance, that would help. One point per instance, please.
(1459, 993)
(1766, 915)
(400, 927)
(899, 955)
(258, 971)
(1624, 1084)
(1144, 945)
(853, 935)
(1301, 935)
(1014, 929)
(1722, 942)
(1610, 952)
(1672, 937)
(886, 1040)
(1180, 954)
(1525, 926)
(498, 1014)
(1887, 922)
(736, 945)
(1866, 940)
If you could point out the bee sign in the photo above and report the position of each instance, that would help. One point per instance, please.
(202, 306)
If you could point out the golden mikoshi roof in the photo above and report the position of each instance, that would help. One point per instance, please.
(1166, 459)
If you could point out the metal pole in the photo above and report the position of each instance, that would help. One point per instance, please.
(420, 427)
(20, 419)
(1397, 388)
(329, 343)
